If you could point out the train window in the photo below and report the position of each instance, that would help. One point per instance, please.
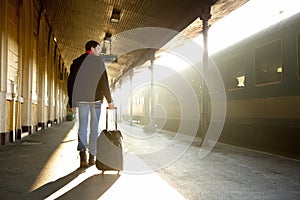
(268, 63)
(234, 76)
(299, 55)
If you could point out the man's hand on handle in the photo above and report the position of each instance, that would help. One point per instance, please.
(111, 105)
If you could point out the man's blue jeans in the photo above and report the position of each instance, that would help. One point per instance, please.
(88, 138)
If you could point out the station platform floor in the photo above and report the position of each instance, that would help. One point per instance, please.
(45, 165)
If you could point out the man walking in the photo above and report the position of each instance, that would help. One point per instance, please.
(87, 87)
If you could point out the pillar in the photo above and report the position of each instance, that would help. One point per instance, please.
(42, 70)
(131, 88)
(3, 67)
(51, 72)
(27, 60)
(150, 127)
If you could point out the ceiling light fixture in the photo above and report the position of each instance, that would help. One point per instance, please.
(115, 16)
(108, 57)
(107, 37)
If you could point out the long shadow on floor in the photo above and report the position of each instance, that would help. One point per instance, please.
(84, 187)
(92, 188)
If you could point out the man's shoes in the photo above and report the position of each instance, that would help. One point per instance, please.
(83, 159)
(91, 159)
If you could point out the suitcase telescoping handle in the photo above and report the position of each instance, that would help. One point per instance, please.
(115, 108)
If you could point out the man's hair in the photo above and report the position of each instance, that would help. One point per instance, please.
(90, 44)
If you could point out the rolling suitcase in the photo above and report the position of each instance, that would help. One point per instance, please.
(109, 148)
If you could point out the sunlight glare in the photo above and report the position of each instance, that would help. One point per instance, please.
(249, 19)
(241, 23)
(172, 61)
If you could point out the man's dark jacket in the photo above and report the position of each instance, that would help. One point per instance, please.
(88, 80)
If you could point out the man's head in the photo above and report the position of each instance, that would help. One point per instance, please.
(93, 46)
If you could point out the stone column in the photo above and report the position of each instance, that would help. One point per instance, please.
(57, 88)
(3, 67)
(42, 70)
(27, 60)
(61, 94)
(51, 72)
